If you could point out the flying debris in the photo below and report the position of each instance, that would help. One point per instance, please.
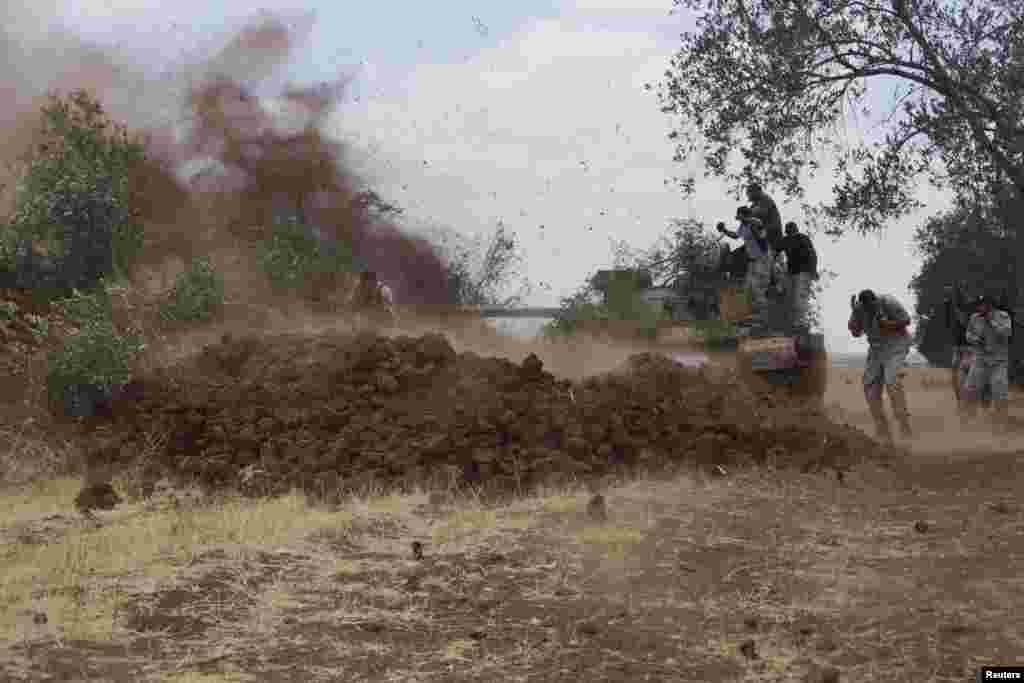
(481, 27)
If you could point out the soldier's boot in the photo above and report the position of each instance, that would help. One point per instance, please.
(899, 408)
(882, 431)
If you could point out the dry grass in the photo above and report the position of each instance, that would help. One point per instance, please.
(242, 590)
(27, 455)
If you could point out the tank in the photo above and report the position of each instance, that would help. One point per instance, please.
(770, 351)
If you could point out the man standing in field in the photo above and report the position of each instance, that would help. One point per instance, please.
(988, 332)
(372, 297)
(885, 321)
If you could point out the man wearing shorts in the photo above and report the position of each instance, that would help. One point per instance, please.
(885, 321)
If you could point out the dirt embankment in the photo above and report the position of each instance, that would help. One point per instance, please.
(334, 412)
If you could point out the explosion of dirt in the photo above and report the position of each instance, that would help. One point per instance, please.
(326, 410)
(264, 162)
(333, 413)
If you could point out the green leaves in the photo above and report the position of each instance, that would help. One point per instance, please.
(763, 87)
(84, 164)
(970, 247)
(198, 292)
(99, 355)
(292, 255)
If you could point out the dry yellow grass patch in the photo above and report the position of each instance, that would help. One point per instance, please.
(612, 536)
(462, 527)
(58, 577)
(43, 497)
(457, 650)
(562, 503)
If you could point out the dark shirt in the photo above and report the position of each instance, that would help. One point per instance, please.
(765, 209)
(801, 256)
(956, 322)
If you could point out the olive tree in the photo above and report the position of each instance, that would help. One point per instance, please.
(761, 87)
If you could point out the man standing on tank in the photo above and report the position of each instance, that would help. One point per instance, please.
(763, 208)
(802, 264)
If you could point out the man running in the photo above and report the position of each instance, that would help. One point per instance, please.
(885, 321)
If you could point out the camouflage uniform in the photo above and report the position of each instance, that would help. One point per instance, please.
(964, 354)
(990, 336)
(887, 353)
(759, 270)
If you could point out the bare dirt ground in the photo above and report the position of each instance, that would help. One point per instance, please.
(891, 569)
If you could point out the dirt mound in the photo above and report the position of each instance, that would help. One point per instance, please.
(329, 413)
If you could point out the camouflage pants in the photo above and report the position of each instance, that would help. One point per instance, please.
(963, 360)
(986, 374)
(800, 296)
(759, 277)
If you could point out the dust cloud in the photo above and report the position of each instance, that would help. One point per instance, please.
(209, 111)
(221, 163)
(933, 413)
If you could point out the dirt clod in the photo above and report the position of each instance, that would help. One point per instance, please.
(371, 411)
(597, 510)
(97, 497)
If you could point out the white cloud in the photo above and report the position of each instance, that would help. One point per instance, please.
(552, 128)
(621, 5)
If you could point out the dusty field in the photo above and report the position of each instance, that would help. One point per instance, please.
(903, 568)
(932, 409)
(761, 576)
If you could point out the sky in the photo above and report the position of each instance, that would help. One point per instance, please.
(531, 113)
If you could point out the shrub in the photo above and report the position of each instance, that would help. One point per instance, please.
(8, 309)
(623, 302)
(40, 325)
(292, 255)
(198, 292)
(715, 333)
(75, 196)
(91, 364)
